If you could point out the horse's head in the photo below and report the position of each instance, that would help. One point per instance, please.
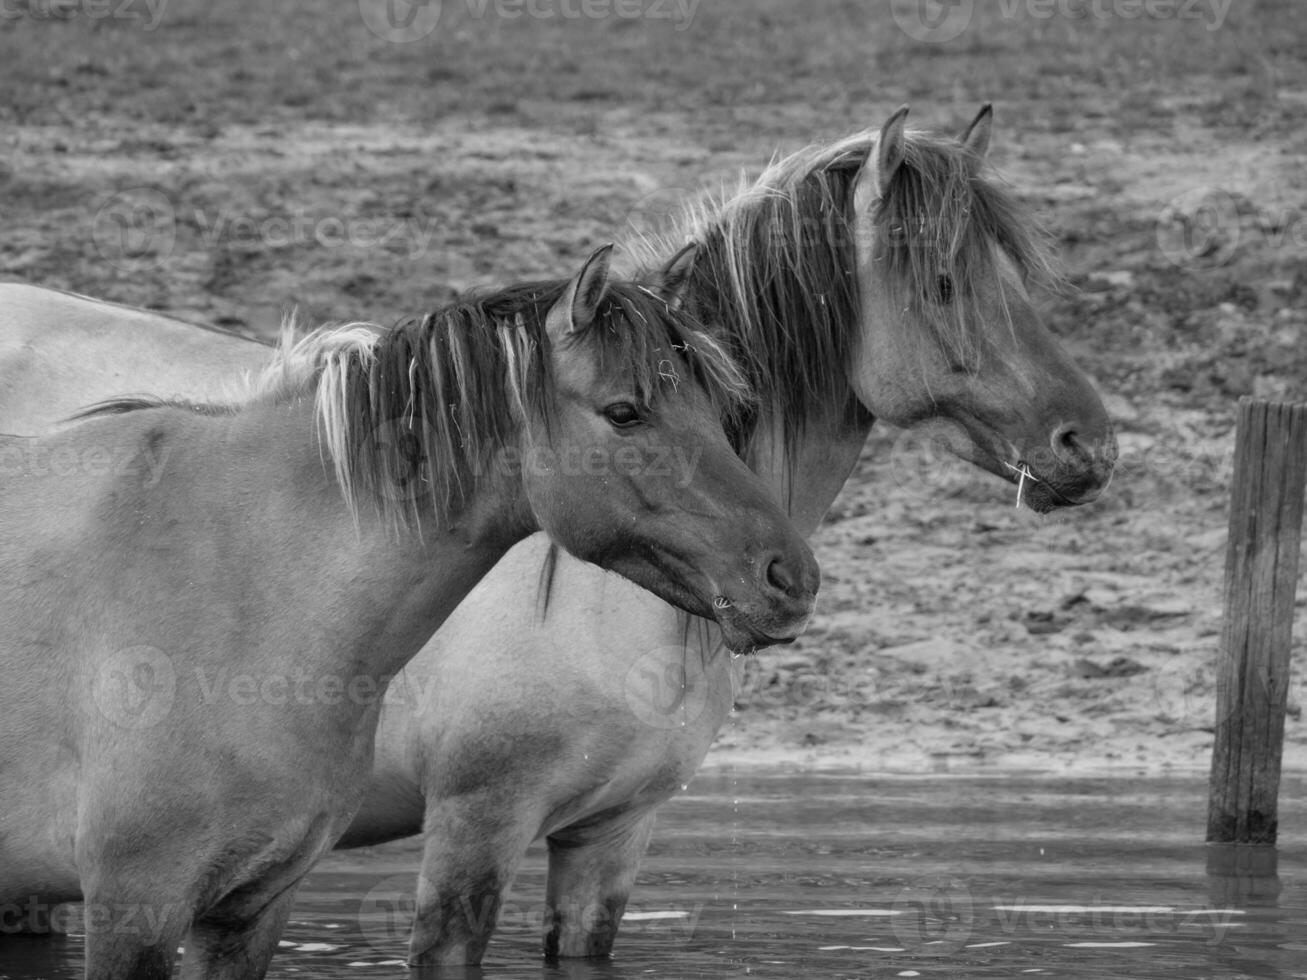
(950, 336)
(628, 465)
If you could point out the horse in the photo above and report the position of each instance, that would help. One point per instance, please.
(884, 275)
(204, 603)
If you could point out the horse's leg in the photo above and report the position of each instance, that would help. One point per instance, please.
(591, 872)
(220, 948)
(473, 847)
(132, 933)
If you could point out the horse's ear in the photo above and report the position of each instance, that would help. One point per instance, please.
(580, 303)
(976, 137)
(676, 275)
(882, 162)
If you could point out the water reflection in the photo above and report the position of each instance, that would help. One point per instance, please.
(778, 877)
(1244, 874)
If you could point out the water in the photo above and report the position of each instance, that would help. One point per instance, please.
(786, 877)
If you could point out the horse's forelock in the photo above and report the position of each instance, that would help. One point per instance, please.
(640, 336)
(942, 216)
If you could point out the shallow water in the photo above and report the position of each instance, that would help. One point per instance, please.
(783, 877)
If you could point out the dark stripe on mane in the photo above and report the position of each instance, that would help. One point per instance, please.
(135, 403)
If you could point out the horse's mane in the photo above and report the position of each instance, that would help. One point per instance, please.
(412, 416)
(438, 397)
(776, 272)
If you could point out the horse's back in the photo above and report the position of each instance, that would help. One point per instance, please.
(60, 351)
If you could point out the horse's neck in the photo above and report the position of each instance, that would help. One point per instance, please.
(807, 475)
(379, 593)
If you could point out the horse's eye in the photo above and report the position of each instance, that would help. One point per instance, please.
(944, 289)
(623, 415)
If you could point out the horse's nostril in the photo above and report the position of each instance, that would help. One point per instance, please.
(780, 578)
(1066, 442)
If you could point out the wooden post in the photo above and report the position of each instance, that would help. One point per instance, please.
(1261, 577)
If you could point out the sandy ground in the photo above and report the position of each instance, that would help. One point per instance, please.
(238, 161)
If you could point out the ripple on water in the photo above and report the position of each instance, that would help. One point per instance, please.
(776, 877)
